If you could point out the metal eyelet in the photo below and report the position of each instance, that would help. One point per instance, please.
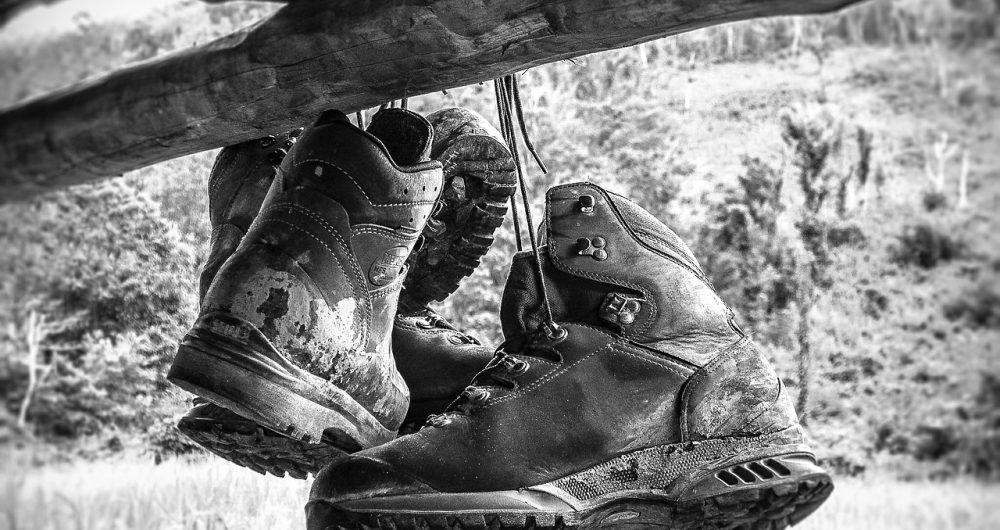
(438, 420)
(456, 339)
(555, 334)
(476, 395)
(275, 157)
(519, 367)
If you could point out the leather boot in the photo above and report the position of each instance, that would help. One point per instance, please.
(240, 178)
(294, 332)
(438, 357)
(480, 177)
(639, 403)
(434, 358)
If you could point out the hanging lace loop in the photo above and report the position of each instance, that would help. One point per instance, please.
(509, 103)
(505, 367)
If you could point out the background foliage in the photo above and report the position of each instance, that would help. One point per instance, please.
(815, 165)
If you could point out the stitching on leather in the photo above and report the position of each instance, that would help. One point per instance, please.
(717, 362)
(366, 310)
(381, 232)
(630, 229)
(553, 242)
(395, 286)
(549, 376)
(362, 190)
(650, 361)
(643, 232)
(327, 226)
(545, 379)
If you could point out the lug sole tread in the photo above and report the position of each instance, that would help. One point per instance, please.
(263, 451)
(769, 508)
(474, 213)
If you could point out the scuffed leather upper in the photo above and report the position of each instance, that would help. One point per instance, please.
(678, 372)
(320, 270)
(240, 178)
(436, 359)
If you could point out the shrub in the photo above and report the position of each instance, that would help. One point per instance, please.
(115, 283)
(979, 306)
(926, 246)
(934, 200)
(749, 262)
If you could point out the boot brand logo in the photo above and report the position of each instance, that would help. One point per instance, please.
(387, 267)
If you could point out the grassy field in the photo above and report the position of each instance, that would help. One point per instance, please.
(211, 494)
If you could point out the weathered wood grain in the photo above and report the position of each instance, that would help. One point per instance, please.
(313, 55)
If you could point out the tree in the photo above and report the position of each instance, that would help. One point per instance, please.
(115, 282)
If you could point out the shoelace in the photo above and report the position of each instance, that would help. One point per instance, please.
(508, 103)
(504, 369)
(501, 372)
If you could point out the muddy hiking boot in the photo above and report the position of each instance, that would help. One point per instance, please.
(238, 183)
(425, 345)
(294, 332)
(638, 404)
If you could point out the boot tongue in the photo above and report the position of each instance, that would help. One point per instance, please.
(521, 308)
(405, 134)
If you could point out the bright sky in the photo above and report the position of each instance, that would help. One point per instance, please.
(58, 17)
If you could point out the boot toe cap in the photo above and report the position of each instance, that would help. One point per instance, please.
(359, 477)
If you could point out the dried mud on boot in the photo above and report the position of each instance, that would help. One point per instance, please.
(293, 333)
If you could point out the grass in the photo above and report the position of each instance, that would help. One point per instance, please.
(209, 494)
(194, 495)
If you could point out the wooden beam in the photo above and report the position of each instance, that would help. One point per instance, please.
(10, 8)
(313, 55)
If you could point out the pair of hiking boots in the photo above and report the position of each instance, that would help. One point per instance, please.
(624, 394)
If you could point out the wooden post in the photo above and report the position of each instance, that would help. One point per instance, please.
(313, 55)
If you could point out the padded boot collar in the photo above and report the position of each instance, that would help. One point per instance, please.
(406, 135)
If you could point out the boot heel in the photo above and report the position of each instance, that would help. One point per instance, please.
(230, 363)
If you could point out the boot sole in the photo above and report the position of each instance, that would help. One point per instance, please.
(244, 376)
(770, 491)
(475, 196)
(249, 445)
(259, 449)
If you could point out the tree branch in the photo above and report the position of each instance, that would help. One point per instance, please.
(312, 55)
